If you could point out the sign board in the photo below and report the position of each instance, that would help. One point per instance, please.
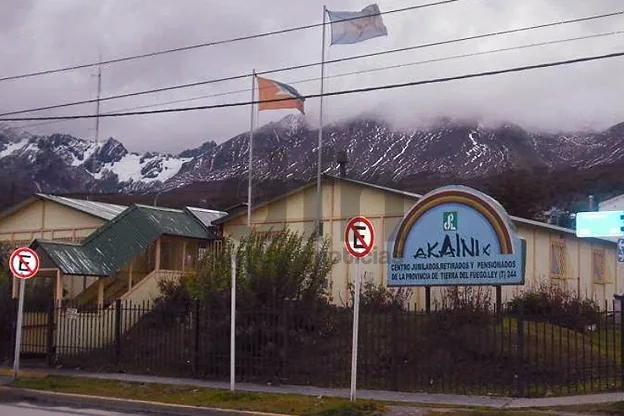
(359, 237)
(600, 224)
(620, 250)
(24, 263)
(456, 236)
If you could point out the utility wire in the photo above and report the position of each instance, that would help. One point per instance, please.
(363, 71)
(214, 43)
(334, 93)
(349, 58)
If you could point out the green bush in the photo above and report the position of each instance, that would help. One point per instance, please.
(271, 269)
(550, 303)
(379, 298)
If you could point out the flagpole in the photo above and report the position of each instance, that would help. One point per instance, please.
(319, 206)
(251, 134)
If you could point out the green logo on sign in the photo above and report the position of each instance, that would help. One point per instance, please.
(449, 221)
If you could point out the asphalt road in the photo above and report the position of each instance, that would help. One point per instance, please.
(28, 409)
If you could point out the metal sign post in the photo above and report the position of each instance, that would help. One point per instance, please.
(233, 327)
(24, 264)
(359, 241)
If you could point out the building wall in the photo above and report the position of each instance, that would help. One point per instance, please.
(343, 200)
(47, 220)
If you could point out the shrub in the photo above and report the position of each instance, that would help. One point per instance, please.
(271, 269)
(379, 298)
(460, 306)
(550, 303)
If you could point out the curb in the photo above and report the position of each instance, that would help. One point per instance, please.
(121, 405)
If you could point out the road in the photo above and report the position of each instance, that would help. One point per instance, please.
(28, 409)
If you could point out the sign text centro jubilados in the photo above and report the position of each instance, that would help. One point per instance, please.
(456, 236)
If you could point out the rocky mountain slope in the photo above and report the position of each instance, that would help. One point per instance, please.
(287, 150)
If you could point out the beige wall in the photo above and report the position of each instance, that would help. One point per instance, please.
(385, 210)
(47, 220)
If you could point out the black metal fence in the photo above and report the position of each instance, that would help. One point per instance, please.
(440, 351)
(8, 313)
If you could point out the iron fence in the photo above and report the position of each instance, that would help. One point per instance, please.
(439, 351)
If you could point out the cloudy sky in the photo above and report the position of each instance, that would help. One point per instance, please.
(42, 34)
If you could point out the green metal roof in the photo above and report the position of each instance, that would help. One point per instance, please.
(120, 240)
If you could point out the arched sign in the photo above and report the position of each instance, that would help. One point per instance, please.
(456, 236)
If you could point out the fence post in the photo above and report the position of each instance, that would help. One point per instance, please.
(395, 350)
(520, 353)
(14, 308)
(284, 315)
(196, 342)
(622, 342)
(50, 341)
(118, 330)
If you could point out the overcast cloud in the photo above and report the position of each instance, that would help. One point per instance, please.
(43, 34)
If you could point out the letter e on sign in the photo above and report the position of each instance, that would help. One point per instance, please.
(24, 263)
(359, 237)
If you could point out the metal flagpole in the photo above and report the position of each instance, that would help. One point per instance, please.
(251, 133)
(233, 324)
(319, 206)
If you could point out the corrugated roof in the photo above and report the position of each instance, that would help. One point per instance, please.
(206, 216)
(73, 259)
(102, 210)
(120, 240)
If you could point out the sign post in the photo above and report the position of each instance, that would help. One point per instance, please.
(359, 241)
(233, 325)
(24, 264)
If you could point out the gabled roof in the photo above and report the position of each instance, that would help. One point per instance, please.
(96, 209)
(416, 196)
(205, 216)
(235, 213)
(117, 242)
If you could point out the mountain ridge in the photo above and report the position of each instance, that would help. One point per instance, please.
(286, 149)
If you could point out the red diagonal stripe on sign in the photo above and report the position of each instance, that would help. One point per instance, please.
(21, 259)
(359, 237)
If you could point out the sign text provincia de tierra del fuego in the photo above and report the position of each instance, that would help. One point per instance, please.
(456, 235)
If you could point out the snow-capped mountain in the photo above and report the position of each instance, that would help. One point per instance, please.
(287, 149)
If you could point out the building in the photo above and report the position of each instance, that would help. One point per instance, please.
(137, 246)
(54, 217)
(125, 260)
(586, 266)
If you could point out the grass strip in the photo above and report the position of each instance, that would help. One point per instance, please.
(193, 396)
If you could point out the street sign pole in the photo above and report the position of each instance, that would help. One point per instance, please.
(356, 328)
(18, 329)
(24, 264)
(233, 326)
(359, 240)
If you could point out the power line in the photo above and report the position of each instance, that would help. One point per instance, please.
(214, 43)
(349, 58)
(363, 71)
(334, 93)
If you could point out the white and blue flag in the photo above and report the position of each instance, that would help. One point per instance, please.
(354, 27)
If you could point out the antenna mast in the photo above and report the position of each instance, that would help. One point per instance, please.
(97, 110)
(97, 118)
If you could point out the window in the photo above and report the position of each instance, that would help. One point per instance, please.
(598, 265)
(557, 259)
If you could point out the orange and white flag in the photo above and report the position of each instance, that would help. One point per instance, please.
(269, 90)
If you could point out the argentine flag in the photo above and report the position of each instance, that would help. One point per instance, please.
(354, 27)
